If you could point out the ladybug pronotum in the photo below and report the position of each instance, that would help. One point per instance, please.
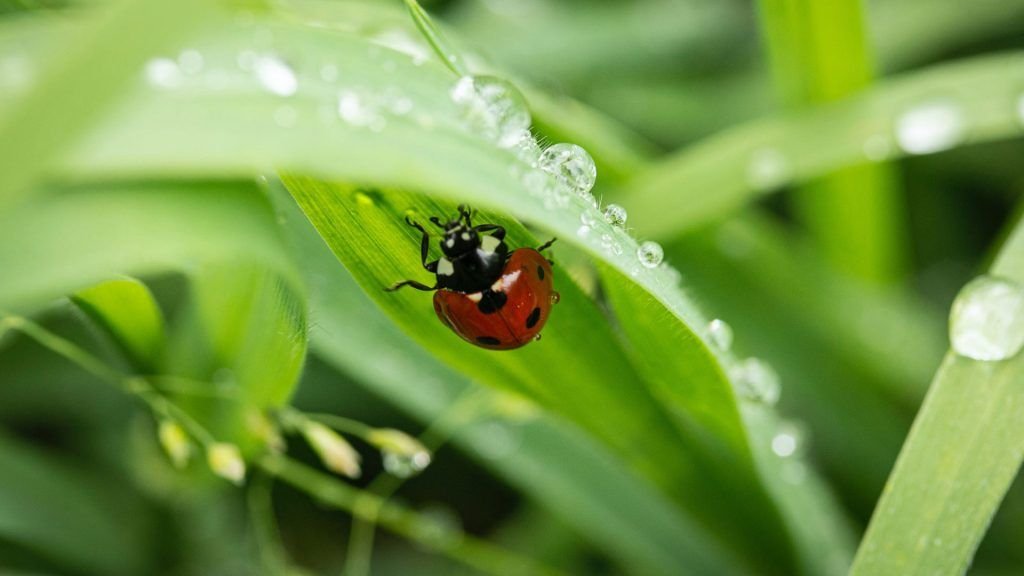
(490, 296)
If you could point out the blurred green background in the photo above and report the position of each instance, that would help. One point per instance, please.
(840, 274)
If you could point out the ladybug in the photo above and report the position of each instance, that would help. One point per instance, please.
(490, 296)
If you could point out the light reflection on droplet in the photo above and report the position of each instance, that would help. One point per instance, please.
(276, 76)
(930, 128)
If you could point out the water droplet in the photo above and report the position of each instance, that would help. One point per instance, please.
(768, 169)
(929, 128)
(756, 380)
(363, 199)
(285, 116)
(650, 254)
(587, 218)
(163, 73)
(329, 72)
(877, 147)
(537, 337)
(583, 231)
(570, 165)
(721, 334)
(987, 319)
(276, 76)
(406, 465)
(615, 215)
(493, 107)
(191, 62)
(556, 297)
(789, 440)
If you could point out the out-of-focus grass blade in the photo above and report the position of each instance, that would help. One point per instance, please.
(129, 314)
(963, 452)
(64, 514)
(567, 472)
(75, 238)
(77, 84)
(964, 102)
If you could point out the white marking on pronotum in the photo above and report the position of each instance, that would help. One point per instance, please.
(444, 267)
(489, 244)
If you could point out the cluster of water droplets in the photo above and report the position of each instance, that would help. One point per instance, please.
(986, 322)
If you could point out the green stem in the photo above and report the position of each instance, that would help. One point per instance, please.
(436, 39)
(360, 549)
(819, 53)
(437, 536)
(268, 536)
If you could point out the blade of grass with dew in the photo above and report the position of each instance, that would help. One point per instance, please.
(962, 454)
(578, 371)
(167, 132)
(66, 515)
(671, 359)
(129, 314)
(72, 90)
(568, 473)
(819, 53)
(975, 100)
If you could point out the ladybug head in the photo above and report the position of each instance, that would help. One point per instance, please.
(459, 236)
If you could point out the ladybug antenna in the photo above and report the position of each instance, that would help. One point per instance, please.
(437, 222)
(465, 213)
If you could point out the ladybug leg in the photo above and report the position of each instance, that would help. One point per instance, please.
(465, 213)
(546, 245)
(411, 284)
(499, 232)
(424, 245)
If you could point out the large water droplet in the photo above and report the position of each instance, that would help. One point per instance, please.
(987, 319)
(406, 465)
(756, 380)
(650, 254)
(528, 150)
(571, 165)
(929, 128)
(276, 76)
(721, 334)
(493, 107)
(768, 169)
(615, 215)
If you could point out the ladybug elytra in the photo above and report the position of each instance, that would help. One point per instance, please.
(490, 296)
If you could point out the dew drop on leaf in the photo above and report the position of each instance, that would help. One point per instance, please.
(493, 107)
(276, 76)
(755, 380)
(571, 165)
(929, 128)
(768, 169)
(406, 465)
(650, 254)
(615, 215)
(163, 73)
(721, 334)
(987, 319)
(789, 440)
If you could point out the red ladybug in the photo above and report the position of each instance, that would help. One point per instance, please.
(490, 296)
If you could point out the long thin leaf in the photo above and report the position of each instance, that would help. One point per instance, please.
(962, 454)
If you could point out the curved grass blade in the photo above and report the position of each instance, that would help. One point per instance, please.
(565, 471)
(126, 310)
(974, 101)
(959, 460)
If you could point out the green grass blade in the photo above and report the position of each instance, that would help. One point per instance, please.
(572, 476)
(74, 88)
(819, 53)
(436, 39)
(962, 454)
(981, 95)
(130, 229)
(126, 310)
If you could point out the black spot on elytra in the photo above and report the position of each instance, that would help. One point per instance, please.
(488, 340)
(491, 302)
(540, 272)
(533, 318)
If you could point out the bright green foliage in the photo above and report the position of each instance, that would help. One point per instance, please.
(127, 311)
